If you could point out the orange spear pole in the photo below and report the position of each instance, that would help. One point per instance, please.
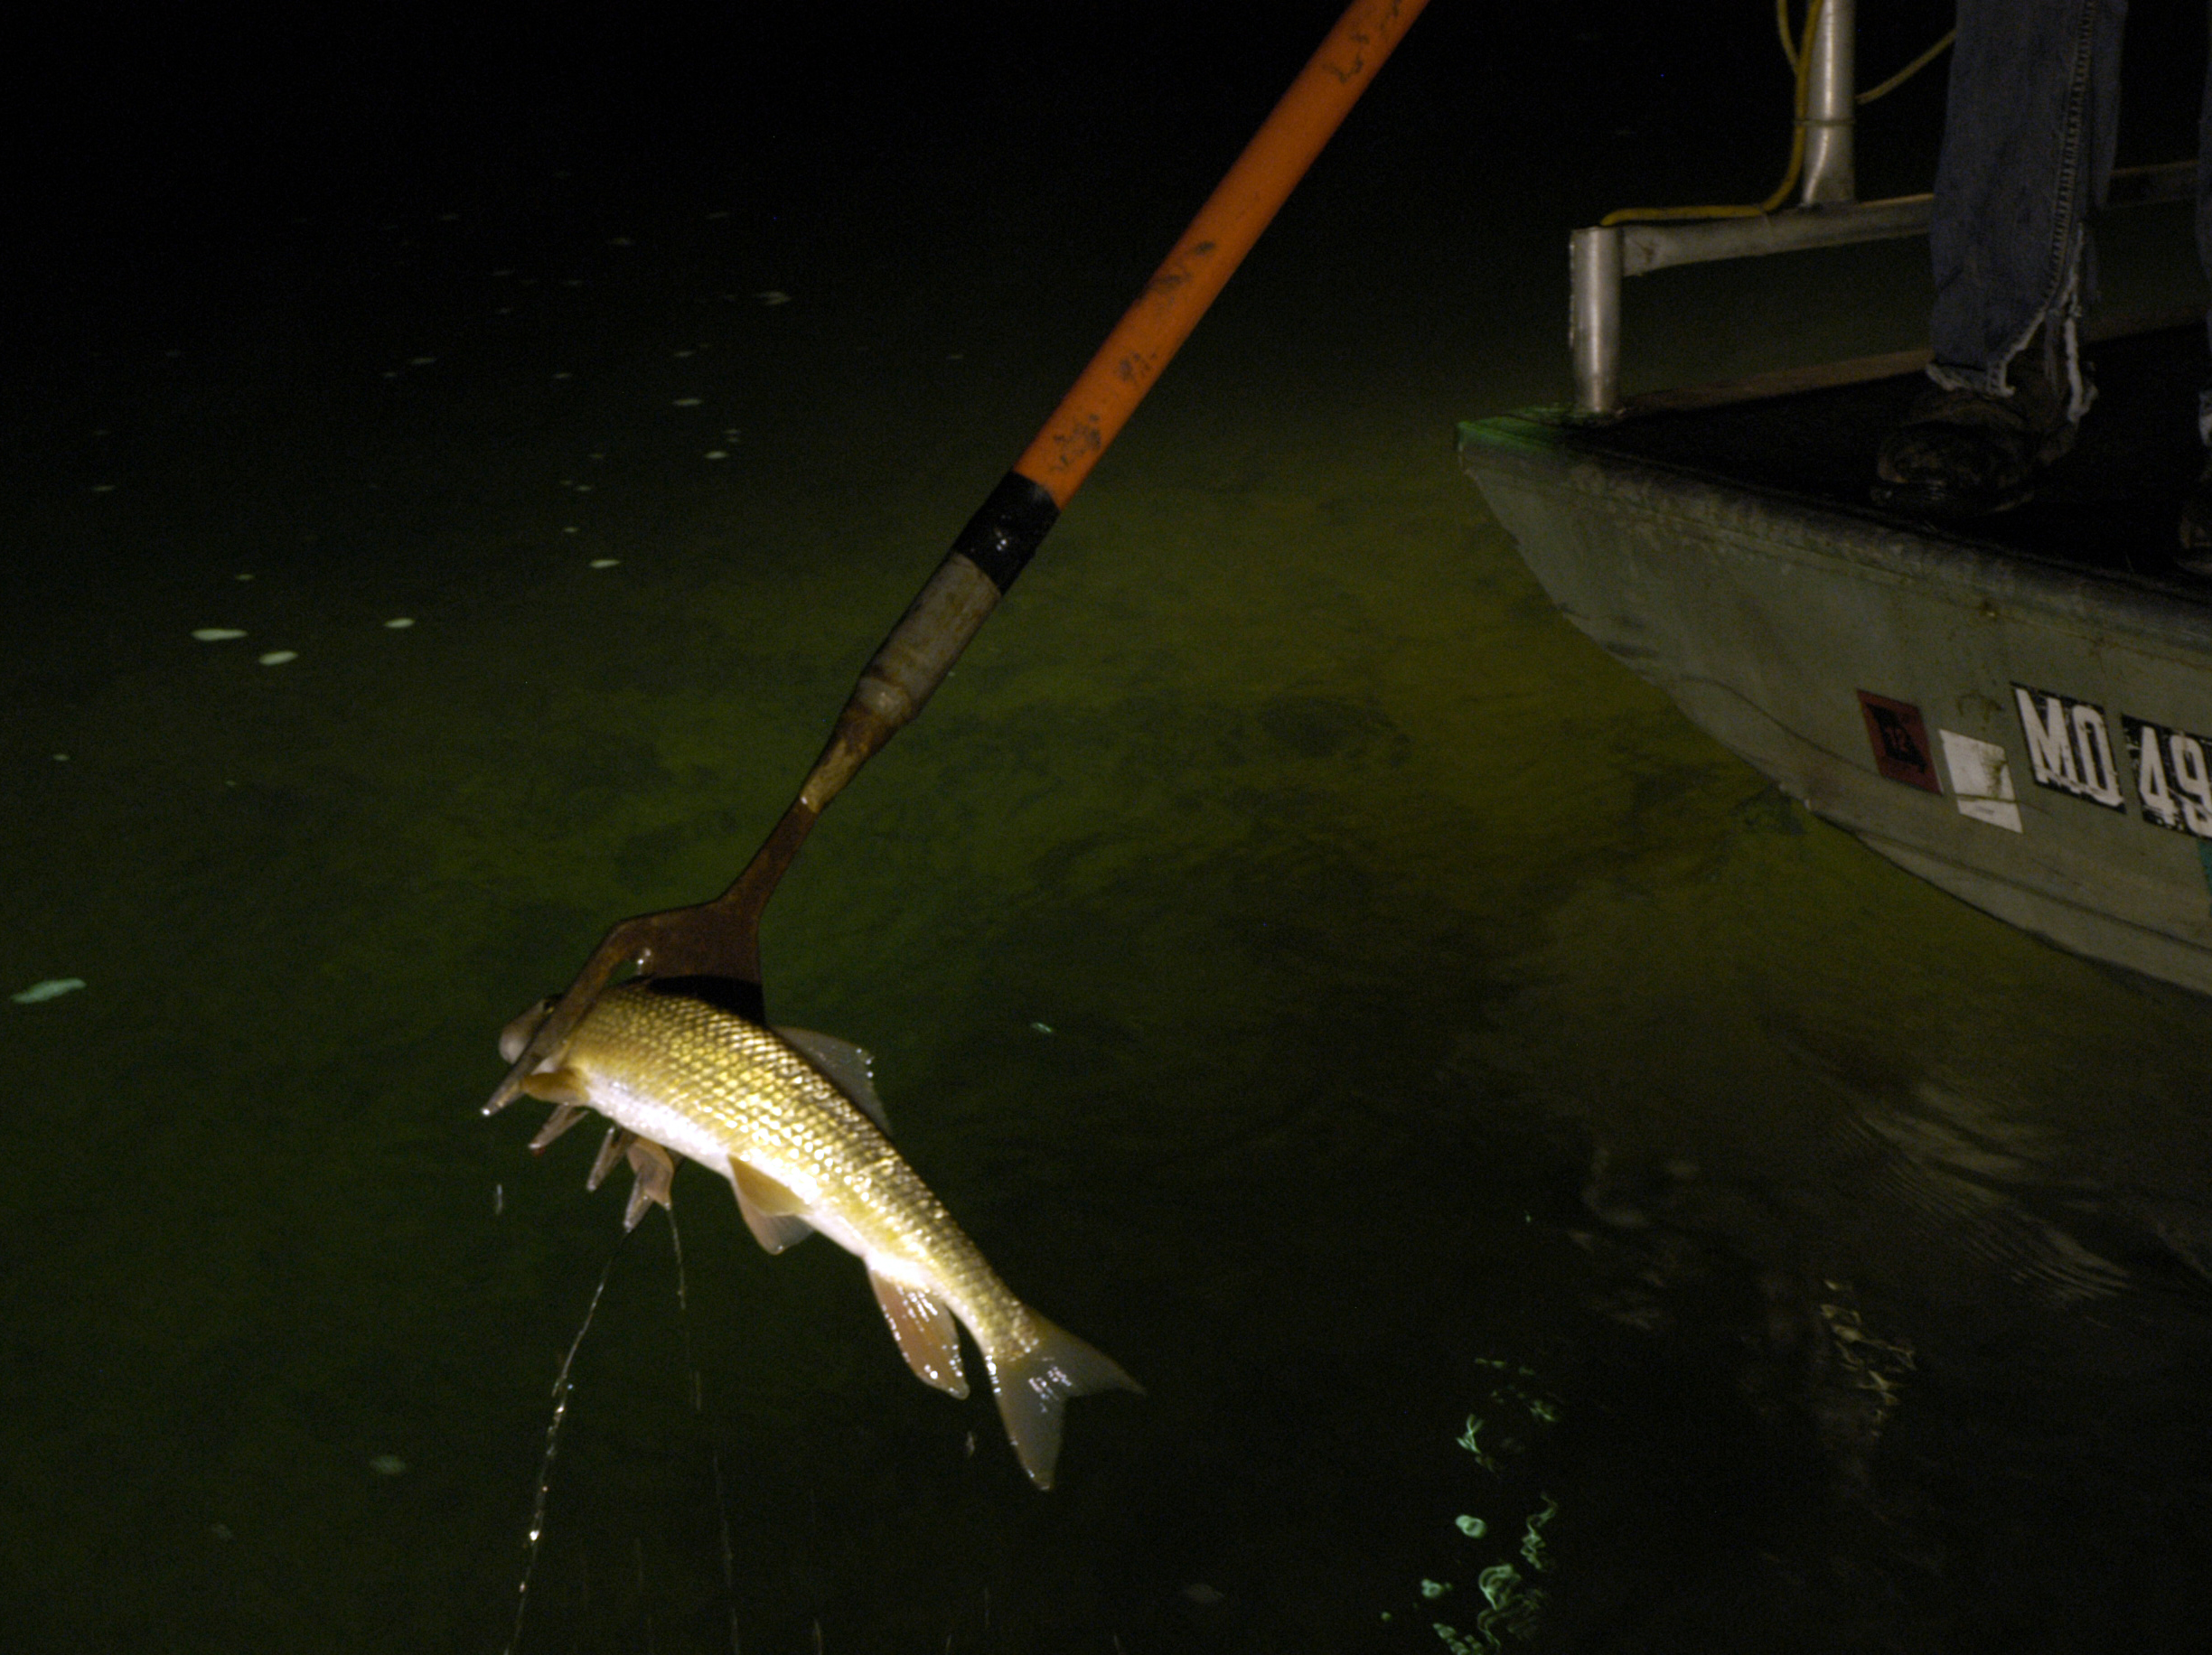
(1001, 538)
(715, 946)
(1196, 270)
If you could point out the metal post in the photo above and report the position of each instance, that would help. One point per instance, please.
(1831, 109)
(1593, 319)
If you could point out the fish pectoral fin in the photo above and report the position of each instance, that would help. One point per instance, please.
(846, 1067)
(611, 1148)
(562, 1085)
(564, 1116)
(652, 1166)
(655, 1168)
(927, 1337)
(772, 1213)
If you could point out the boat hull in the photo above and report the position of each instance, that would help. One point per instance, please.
(1979, 716)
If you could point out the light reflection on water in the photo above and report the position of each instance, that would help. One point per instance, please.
(1502, 1134)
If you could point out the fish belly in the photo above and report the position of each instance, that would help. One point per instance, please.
(664, 1123)
(713, 1147)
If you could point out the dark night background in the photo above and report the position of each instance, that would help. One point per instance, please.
(179, 141)
(1270, 940)
(159, 152)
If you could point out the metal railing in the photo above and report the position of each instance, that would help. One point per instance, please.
(1828, 214)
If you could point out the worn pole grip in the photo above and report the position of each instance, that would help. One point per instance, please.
(998, 542)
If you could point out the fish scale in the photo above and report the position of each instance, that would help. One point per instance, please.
(776, 1112)
(804, 1150)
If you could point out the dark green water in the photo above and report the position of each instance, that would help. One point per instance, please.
(1557, 1195)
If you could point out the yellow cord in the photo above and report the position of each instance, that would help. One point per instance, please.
(1801, 62)
(1798, 49)
(1909, 72)
(1789, 41)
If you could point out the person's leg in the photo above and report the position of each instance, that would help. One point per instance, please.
(2027, 147)
(2197, 508)
(2027, 153)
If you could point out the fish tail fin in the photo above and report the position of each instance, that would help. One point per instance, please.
(1033, 1389)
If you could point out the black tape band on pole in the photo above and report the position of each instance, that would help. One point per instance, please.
(1004, 534)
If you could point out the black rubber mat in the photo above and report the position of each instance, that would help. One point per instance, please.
(2111, 503)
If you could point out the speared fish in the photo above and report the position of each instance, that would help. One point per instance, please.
(791, 1120)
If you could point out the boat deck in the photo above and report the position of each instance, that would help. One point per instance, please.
(2017, 708)
(2109, 504)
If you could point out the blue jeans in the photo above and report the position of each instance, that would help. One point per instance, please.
(2027, 153)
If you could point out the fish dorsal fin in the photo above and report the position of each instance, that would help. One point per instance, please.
(772, 1213)
(849, 1068)
(926, 1336)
